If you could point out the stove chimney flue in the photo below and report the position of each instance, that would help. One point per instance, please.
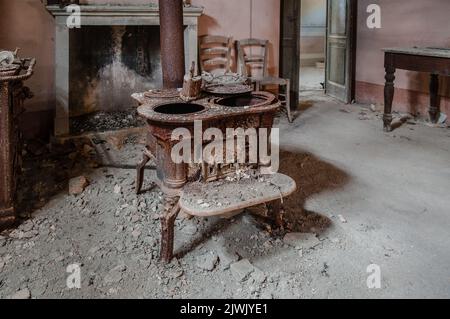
(172, 43)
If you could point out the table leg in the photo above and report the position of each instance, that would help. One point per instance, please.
(388, 97)
(434, 98)
(257, 86)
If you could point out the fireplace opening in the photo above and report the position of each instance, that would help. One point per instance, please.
(101, 121)
(107, 64)
(179, 108)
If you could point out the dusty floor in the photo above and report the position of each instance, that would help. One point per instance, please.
(370, 197)
(311, 78)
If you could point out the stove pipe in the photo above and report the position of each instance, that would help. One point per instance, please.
(172, 43)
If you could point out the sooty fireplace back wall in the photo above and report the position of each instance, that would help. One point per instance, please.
(109, 62)
(102, 15)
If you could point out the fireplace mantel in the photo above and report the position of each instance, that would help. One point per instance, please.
(94, 13)
(108, 15)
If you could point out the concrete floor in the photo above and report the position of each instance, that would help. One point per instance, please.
(311, 77)
(396, 199)
(370, 197)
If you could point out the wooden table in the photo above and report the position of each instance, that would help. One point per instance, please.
(435, 61)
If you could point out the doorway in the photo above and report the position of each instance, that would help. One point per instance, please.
(313, 32)
(338, 52)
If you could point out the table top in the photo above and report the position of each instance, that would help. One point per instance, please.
(428, 52)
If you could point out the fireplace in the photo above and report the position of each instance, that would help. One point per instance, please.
(115, 52)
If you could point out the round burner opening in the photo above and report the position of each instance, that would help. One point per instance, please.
(242, 101)
(179, 108)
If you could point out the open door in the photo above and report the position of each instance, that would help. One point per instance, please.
(341, 42)
(290, 46)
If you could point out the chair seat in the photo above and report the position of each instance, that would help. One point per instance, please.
(226, 196)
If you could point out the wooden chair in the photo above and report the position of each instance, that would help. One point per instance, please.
(215, 54)
(252, 60)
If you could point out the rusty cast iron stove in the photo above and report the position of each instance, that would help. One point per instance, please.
(165, 114)
(219, 107)
(13, 72)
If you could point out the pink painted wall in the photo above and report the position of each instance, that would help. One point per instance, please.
(405, 23)
(244, 19)
(26, 24)
(240, 19)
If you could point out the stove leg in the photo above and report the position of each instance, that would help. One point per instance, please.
(276, 212)
(140, 173)
(171, 211)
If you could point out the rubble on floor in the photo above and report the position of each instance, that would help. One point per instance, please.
(89, 215)
(113, 234)
(105, 121)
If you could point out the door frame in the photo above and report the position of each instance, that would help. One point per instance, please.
(353, 44)
(289, 55)
(352, 23)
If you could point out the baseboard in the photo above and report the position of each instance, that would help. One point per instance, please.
(406, 101)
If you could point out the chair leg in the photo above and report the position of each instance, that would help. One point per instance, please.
(288, 100)
(171, 211)
(258, 86)
(140, 173)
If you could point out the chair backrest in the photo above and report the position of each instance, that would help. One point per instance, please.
(252, 55)
(215, 54)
